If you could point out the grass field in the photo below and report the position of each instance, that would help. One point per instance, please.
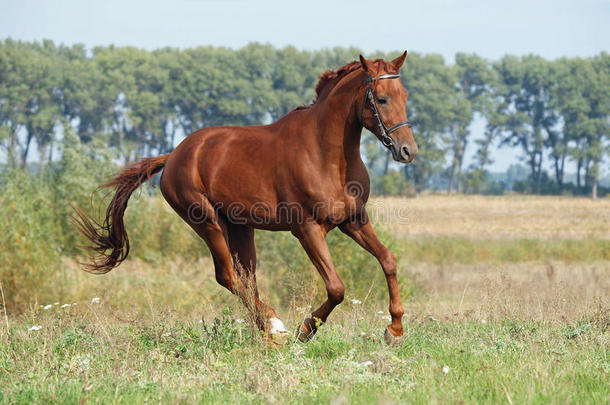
(94, 354)
(507, 301)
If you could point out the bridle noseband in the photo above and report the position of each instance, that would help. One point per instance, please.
(368, 96)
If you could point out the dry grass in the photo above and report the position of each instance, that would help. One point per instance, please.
(543, 288)
(527, 291)
(559, 292)
(487, 217)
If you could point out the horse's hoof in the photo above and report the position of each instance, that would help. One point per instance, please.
(304, 334)
(392, 340)
(278, 334)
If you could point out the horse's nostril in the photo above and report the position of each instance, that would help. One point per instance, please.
(405, 152)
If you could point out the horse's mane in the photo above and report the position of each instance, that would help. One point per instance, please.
(329, 79)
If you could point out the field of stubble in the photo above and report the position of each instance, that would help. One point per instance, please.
(506, 299)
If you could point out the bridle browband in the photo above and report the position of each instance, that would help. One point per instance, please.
(368, 96)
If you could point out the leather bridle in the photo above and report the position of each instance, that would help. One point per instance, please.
(368, 96)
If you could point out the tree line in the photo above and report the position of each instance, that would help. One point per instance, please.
(129, 103)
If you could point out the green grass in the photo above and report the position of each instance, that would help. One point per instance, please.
(88, 355)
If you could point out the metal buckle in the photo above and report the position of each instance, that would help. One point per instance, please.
(386, 140)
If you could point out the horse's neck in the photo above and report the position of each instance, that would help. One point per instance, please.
(339, 125)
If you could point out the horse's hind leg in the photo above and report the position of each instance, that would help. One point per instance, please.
(213, 229)
(241, 243)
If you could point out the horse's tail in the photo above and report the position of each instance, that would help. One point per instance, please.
(111, 234)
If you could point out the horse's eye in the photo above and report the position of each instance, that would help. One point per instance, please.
(382, 100)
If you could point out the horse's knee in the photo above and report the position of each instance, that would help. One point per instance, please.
(336, 292)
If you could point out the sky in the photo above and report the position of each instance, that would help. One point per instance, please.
(489, 28)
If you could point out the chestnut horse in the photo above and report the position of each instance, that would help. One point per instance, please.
(302, 174)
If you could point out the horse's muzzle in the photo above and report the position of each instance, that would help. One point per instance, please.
(404, 153)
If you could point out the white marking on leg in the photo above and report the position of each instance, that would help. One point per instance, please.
(277, 326)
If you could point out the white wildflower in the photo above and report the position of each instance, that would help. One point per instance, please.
(379, 312)
(386, 317)
(82, 362)
(367, 363)
(35, 328)
(56, 303)
(66, 305)
(405, 315)
(47, 307)
(483, 321)
(95, 300)
(239, 320)
(431, 318)
(356, 302)
(445, 369)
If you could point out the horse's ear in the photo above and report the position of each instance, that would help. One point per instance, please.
(397, 63)
(367, 65)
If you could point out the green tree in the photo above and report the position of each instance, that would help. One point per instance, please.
(525, 86)
(431, 86)
(137, 102)
(581, 94)
(28, 98)
(596, 126)
(474, 80)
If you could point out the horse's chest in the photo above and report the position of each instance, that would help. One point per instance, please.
(337, 209)
(332, 201)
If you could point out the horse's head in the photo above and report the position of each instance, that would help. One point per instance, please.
(383, 110)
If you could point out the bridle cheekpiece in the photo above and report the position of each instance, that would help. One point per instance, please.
(369, 97)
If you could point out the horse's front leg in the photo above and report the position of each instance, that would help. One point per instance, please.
(363, 233)
(312, 238)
